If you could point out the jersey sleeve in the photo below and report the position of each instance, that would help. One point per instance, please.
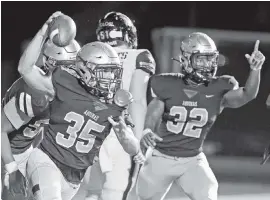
(157, 88)
(146, 62)
(21, 106)
(229, 83)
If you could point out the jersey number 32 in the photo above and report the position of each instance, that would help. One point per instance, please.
(191, 127)
(81, 146)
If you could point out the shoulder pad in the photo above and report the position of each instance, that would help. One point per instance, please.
(21, 103)
(146, 62)
(161, 85)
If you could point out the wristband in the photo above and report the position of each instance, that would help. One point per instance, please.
(11, 167)
(145, 131)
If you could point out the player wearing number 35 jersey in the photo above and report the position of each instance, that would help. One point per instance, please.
(83, 100)
(118, 30)
(189, 104)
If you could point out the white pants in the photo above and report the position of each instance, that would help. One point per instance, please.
(112, 171)
(46, 180)
(21, 159)
(192, 174)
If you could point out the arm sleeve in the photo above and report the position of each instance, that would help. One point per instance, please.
(146, 62)
(230, 83)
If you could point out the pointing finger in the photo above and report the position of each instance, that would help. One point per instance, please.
(256, 47)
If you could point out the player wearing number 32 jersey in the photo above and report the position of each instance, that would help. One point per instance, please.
(189, 104)
(83, 100)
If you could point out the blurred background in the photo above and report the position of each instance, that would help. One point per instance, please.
(237, 141)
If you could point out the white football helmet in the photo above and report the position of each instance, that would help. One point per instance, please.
(98, 65)
(54, 56)
(201, 54)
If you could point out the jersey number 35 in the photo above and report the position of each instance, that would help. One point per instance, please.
(81, 146)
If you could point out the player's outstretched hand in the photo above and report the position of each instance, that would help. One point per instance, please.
(44, 28)
(16, 183)
(149, 139)
(256, 59)
(118, 126)
(139, 158)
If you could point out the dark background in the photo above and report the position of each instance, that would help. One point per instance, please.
(249, 128)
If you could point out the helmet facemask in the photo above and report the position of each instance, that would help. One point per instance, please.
(101, 80)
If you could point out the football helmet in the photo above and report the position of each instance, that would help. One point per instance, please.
(54, 56)
(98, 66)
(200, 57)
(117, 29)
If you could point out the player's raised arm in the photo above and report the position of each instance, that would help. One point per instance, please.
(32, 74)
(239, 97)
(145, 67)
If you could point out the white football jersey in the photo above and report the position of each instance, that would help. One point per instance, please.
(132, 59)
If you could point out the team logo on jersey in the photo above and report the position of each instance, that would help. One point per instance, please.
(99, 106)
(190, 93)
(91, 115)
(190, 103)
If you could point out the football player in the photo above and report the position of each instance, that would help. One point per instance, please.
(117, 30)
(20, 124)
(84, 106)
(189, 104)
(24, 114)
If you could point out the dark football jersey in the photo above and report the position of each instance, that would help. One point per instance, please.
(26, 110)
(78, 125)
(196, 108)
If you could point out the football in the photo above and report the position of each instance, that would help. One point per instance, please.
(62, 30)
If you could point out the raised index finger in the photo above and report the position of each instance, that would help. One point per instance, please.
(256, 47)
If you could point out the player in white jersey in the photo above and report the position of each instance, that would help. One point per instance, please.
(109, 178)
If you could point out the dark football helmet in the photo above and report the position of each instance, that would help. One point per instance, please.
(200, 57)
(117, 29)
